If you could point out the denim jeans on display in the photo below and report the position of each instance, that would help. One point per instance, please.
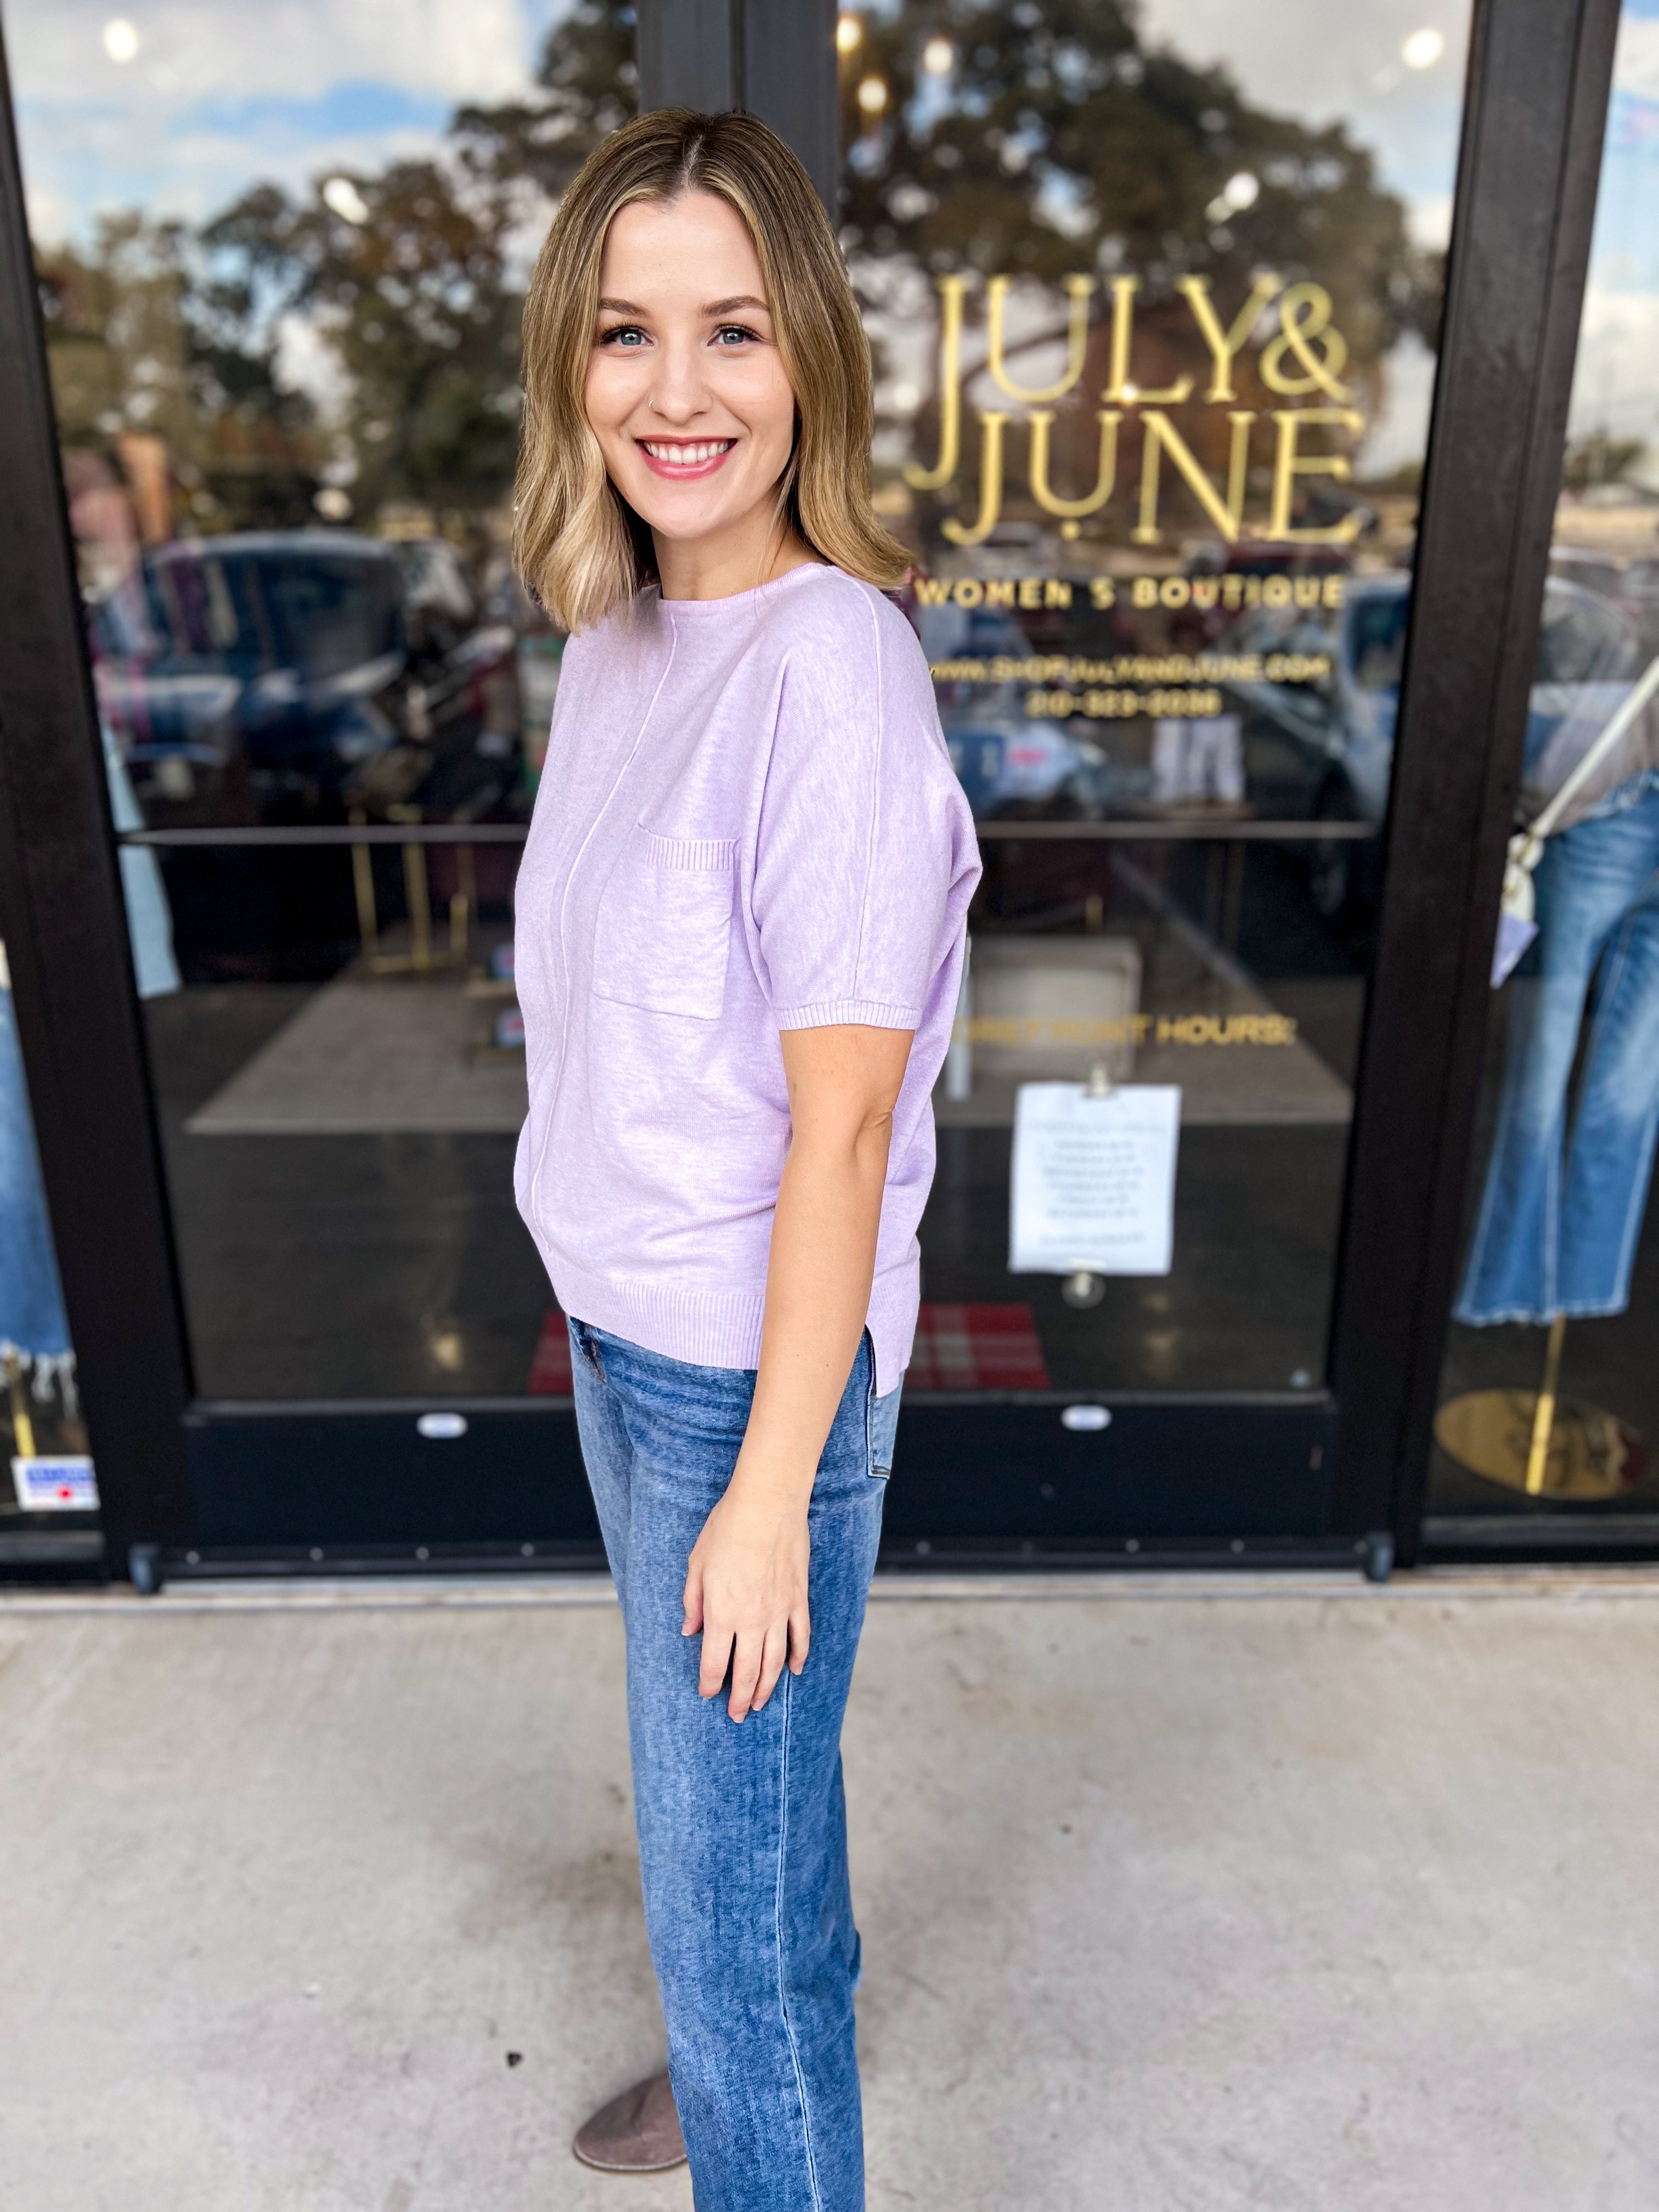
(31, 1321)
(1562, 1209)
(742, 1826)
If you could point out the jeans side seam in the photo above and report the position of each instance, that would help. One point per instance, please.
(1618, 960)
(1633, 1218)
(777, 1926)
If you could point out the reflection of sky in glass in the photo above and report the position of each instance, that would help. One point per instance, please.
(1616, 384)
(1302, 58)
(223, 91)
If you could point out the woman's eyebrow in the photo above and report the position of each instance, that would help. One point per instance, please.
(621, 307)
(744, 300)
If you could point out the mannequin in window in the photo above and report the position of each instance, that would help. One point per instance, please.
(1567, 1180)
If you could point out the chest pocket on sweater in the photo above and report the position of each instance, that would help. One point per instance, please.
(663, 927)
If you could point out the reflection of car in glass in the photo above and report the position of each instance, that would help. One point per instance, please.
(1632, 585)
(1323, 750)
(1007, 759)
(292, 673)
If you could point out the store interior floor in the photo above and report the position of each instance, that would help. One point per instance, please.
(354, 1261)
(1196, 1894)
(339, 1145)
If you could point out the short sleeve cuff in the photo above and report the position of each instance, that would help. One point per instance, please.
(868, 1013)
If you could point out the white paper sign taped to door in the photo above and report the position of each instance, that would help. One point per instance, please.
(1093, 1183)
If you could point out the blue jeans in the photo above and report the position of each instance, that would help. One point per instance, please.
(742, 1828)
(31, 1303)
(1562, 1210)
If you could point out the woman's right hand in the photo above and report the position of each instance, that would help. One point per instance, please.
(745, 1591)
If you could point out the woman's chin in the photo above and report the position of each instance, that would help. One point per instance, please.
(685, 520)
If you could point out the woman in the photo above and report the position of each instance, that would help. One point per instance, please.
(740, 927)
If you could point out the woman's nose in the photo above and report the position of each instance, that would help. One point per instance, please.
(680, 390)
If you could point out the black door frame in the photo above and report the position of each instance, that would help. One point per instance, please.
(191, 1484)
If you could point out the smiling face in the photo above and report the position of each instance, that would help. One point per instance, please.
(685, 389)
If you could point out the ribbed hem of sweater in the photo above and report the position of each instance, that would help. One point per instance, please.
(872, 1014)
(714, 1329)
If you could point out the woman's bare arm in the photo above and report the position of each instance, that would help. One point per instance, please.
(746, 1587)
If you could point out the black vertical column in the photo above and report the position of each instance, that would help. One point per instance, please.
(789, 81)
(689, 53)
(65, 925)
(775, 57)
(1540, 76)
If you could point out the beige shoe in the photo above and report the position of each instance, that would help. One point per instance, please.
(638, 2132)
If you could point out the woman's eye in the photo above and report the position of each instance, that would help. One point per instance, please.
(731, 334)
(625, 335)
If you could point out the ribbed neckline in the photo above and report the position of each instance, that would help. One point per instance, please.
(736, 602)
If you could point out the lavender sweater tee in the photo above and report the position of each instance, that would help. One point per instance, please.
(747, 823)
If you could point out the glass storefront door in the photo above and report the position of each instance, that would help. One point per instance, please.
(1153, 302)
(1154, 296)
(1549, 1406)
(282, 301)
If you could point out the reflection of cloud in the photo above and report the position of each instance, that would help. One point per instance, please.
(226, 92)
(194, 49)
(307, 362)
(109, 166)
(1303, 58)
(49, 214)
(1429, 219)
(1636, 58)
(1615, 385)
(1398, 433)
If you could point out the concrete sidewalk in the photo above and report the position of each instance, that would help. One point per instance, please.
(1175, 1897)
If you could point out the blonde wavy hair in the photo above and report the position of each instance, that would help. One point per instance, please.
(578, 543)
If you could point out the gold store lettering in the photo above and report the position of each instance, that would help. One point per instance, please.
(1229, 591)
(1027, 1029)
(1302, 359)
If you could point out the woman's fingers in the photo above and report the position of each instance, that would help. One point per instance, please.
(692, 1601)
(716, 1651)
(756, 1658)
(773, 1656)
(746, 1659)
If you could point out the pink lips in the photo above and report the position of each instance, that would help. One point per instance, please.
(685, 472)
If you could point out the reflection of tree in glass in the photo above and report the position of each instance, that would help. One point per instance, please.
(1056, 143)
(413, 286)
(408, 279)
(1600, 459)
(148, 342)
(415, 303)
(588, 75)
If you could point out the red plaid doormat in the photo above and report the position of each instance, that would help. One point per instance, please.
(976, 1348)
(549, 1371)
(956, 1348)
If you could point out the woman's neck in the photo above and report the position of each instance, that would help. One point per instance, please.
(735, 560)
